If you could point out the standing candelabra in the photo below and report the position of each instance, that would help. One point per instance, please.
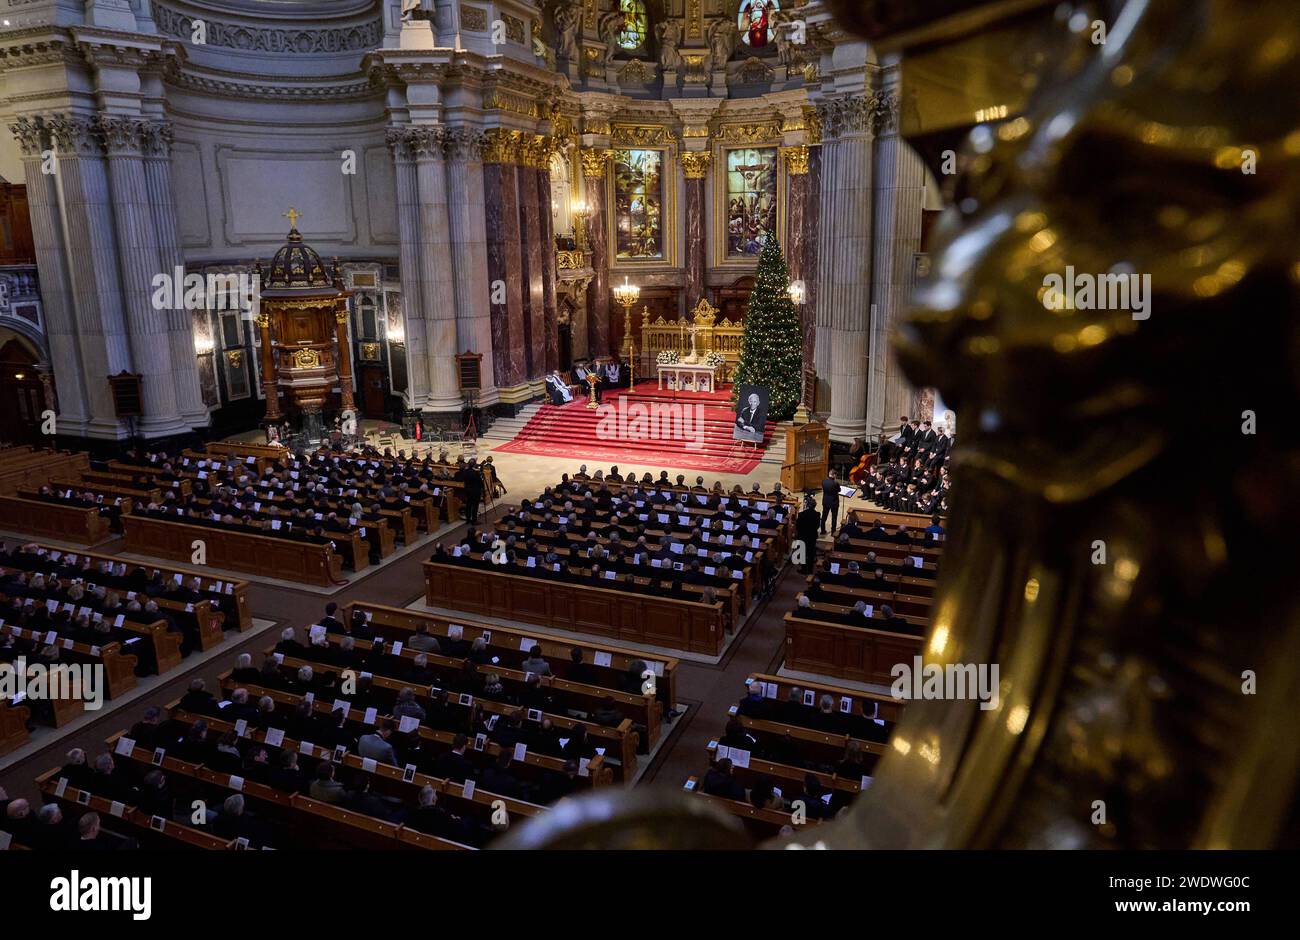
(627, 295)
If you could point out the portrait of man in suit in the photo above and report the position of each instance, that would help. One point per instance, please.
(751, 414)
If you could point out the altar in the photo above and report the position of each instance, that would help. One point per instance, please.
(687, 376)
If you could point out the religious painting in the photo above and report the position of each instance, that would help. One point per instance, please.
(638, 204)
(755, 22)
(636, 24)
(751, 199)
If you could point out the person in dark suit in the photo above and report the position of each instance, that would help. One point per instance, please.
(472, 481)
(435, 820)
(499, 780)
(579, 671)
(830, 501)
(331, 623)
(719, 782)
(454, 765)
(806, 528)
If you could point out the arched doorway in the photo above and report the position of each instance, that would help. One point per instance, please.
(22, 396)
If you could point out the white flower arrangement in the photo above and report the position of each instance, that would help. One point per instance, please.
(715, 359)
(667, 357)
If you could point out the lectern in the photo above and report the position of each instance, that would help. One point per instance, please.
(807, 454)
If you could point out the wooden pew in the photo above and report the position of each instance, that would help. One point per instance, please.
(732, 598)
(110, 491)
(118, 667)
(892, 519)
(598, 773)
(137, 474)
(271, 557)
(26, 468)
(231, 595)
(511, 646)
(761, 824)
(846, 652)
(264, 454)
(168, 834)
(907, 605)
(83, 526)
(13, 725)
(618, 614)
(873, 704)
(622, 741)
(788, 779)
(385, 778)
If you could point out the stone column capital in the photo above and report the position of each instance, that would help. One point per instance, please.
(426, 141)
(156, 138)
(594, 163)
(796, 159)
(74, 135)
(884, 112)
(30, 134)
(695, 163)
(395, 137)
(839, 117)
(465, 144)
(121, 136)
(501, 145)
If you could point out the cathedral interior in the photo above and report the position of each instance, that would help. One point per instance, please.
(215, 213)
(484, 174)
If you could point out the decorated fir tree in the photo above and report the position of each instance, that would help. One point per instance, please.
(771, 349)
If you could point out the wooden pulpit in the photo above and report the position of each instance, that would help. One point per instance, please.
(807, 455)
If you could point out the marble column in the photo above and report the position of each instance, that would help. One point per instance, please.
(162, 205)
(270, 381)
(437, 284)
(89, 242)
(408, 231)
(847, 201)
(344, 346)
(828, 221)
(899, 200)
(695, 167)
(595, 164)
(797, 236)
(812, 255)
(551, 346)
(504, 264)
(56, 293)
(531, 250)
(137, 252)
(469, 252)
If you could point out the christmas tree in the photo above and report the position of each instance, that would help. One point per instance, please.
(771, 349)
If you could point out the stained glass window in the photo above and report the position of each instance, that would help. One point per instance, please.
(756, 23)
(751, 199)
(638, 203)
(636, 24)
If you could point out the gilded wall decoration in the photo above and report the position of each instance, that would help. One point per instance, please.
(796, 160)
(765, 132)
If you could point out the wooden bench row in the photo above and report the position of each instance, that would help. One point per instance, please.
(512, 646)
(24, 467)
(618, 614)
(230, 596)
(268, 556)
(67, 523)
(845, 652)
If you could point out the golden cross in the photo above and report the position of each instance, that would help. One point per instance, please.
(293, 215)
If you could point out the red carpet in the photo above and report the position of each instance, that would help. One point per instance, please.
(645, 426)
